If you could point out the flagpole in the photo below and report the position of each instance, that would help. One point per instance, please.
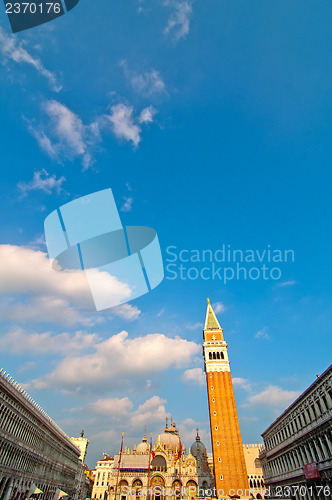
(180, 453)
(117, 477)
(147, 489)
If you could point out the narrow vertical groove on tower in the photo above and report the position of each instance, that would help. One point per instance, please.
(228, 456)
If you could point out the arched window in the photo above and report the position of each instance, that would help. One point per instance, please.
(214, 355)
(218, 355)
(210, 355)
(138, 487)
(176, 489)
(159, 463)
(192, 485)
(123, 484)
(222, 355)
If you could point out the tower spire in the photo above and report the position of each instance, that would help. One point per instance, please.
(211, 322)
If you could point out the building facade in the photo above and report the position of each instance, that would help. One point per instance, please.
(102, 476)
(165, 472)
(35, 454)
(254, 469)
(297, 460)
(229, 463)
(82, 444)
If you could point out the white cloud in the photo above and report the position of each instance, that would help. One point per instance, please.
(262, 334)
(195, 375)
(21, 342)
(43, 309)
(111, 406)
(127, 311)
(273, 396)
(127, 205)
(194, 326)
(148, 84)
(179, 21)
(124, 124)
(218, 307)
(241, 382)
(120, 357)
(32, 291)
(286, 283)
(42, 181)
(13, 49)
(147, 114)
(65, 135)
(188, 429)
(151, 411)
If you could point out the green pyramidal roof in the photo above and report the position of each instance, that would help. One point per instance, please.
(211, 322)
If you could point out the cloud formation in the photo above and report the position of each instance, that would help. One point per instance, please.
(125, 125)
(33, 292)
(219, 307)
(148, 83)
(194, 375)
(19, 342)
(262, 334)
(179, 21)
(64, 135)
(273, 396)
(13, 49)
(120, 357)
(42, 181)
(127, 205)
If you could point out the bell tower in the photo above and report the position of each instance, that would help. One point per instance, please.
(229, 463)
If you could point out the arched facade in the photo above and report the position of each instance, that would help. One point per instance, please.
(172, 471)
(34, 451)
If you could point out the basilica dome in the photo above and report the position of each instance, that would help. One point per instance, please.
(169, 439)
(198, 448)
(143, 447)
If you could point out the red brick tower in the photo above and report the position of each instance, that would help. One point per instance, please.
(229, 464)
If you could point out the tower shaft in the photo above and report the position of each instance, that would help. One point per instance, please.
(228, 456)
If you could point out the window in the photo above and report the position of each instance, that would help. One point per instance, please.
(210, 375)
(213, 400)
(218, 444)
(219, 459)
(212, 387)
(216, 427)
(214, 413)
(221, 477)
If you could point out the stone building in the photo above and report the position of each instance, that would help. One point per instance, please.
(82, 444)
(35, 454)
(167, 472)
(297, 459)
(102, 475)
(254, 469)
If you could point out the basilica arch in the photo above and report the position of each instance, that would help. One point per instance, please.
(191, 489)
(176, 488)
(123, 493)
(157, 485)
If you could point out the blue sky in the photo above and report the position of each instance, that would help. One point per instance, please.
(211, 122)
